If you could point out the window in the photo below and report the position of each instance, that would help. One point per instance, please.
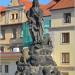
(13, 33)
(6, 68)
(2, 13)
(14, 16)
(65, 58)
(65, 73)
(2, 34)
(67, 17)
(1, 49)
(65, 37)
(16, 49)
(0, 68)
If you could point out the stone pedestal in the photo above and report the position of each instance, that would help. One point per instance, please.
(37, 60)
(25, 53)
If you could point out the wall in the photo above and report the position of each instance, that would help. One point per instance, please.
(57, 18)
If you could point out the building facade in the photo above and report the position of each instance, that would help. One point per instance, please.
(11, 20)
(8, 63)
(63, 30)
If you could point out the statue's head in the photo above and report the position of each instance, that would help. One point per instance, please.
(35, 3)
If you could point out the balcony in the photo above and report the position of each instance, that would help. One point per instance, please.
(16, 42)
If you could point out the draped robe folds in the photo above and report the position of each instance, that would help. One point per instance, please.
(34, 16)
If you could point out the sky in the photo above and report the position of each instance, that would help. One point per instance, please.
(6, 2)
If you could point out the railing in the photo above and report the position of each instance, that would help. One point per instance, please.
(17, 41)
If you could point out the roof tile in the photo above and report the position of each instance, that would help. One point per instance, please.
(62, 4)
(2, 8)
(28, 5)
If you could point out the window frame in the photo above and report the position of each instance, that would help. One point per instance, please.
(0, 68)
(6, 69)
(65, 57)
(3, 34)
(65, 37)
(14, 16)
(66, 20)
(14, 35)
(1, 48)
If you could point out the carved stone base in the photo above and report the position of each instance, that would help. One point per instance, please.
(37, 61)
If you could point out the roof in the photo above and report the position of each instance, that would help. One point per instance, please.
(62, 4)
(51, 4)
(45, 10)
(2, 8)
(28, 5)
(9, 55)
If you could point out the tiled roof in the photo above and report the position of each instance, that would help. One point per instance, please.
(51, 4)
(62, 4)
(9, 55)
(2, 8)
(28, 5)
(45, 10)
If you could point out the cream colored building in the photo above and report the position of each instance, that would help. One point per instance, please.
(11, 20)
(63, 35)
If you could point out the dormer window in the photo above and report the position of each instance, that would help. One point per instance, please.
(14, 16)
(67, 17)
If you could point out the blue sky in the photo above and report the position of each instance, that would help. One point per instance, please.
(6, 2)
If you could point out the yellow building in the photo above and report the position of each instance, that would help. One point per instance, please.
(63, 35)
(11, 19)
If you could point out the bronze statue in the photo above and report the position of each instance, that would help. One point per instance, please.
(35, 18)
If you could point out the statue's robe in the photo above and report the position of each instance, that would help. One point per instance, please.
(34, 16)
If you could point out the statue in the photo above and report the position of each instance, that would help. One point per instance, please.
(35, 18)
(39, 60)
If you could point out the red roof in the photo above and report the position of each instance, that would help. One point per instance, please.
(62, 4)
(2, 8)
(45, 10)
(28, 5)
(10, 55)
(51, 4)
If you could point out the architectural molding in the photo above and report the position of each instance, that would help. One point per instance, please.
(69, 68)
(65, 28)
